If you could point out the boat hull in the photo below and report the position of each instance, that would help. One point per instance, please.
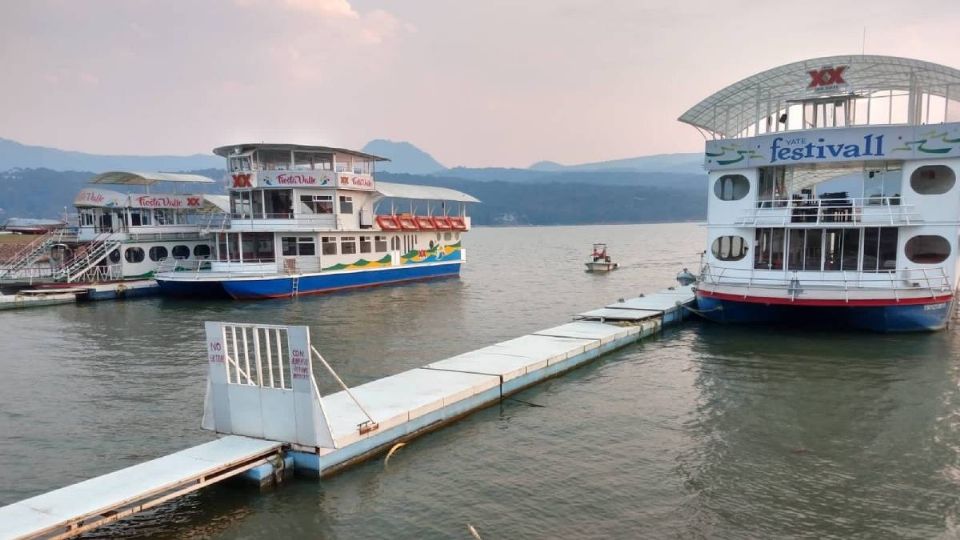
(915, 315)
(287, 286)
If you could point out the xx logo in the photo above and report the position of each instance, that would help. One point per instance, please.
(193, 201)
(827, 76)
(242, 181)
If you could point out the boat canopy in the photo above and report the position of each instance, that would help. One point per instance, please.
(244, 148)
(132, 178)
(105, 198)
(765, 99)
(428, 193)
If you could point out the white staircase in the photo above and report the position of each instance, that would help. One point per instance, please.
(87, 258)
(30, 254)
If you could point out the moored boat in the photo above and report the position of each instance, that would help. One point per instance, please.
(313, 219)
(833, 195)
(121, 236)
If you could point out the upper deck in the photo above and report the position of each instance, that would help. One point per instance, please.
(831, 92)
(267, 165)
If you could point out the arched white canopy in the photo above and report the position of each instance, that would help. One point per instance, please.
(428, 193)
(730, 111)
(132, 178)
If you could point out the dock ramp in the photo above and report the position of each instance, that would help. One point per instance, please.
(99, 501)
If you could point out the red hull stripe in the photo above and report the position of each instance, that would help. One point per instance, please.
(823, 302)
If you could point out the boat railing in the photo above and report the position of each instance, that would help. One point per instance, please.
(935, 280)
(878, 210)
(164, 236)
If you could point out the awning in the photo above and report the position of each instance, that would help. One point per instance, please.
(216, 203)
(148, 178)
(429, 193)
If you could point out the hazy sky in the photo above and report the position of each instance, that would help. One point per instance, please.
(474, 82)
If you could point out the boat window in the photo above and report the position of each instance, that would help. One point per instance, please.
(850, 250)
(772, 187)
(139, 218)
(380, 244)
(879, 249)
(731, 187)
(164, 216)
(729, 248)
(240, 204)
(133, 255)
(768, 249)
(927, 249)
(312, 161)
(805, 247)
(395, 243)
(255, 246)
(157, 253)
(279, 203)
(273, 160)
(201, 250)
(181, 252)
(305, 245)
(933, 180)
(348, 245)
(447, 235)
(317, 204)
(882, 186)
(240, 163)
(346, 205)
(365, 245)
(115, 256)
(329, 245)
(256, 203)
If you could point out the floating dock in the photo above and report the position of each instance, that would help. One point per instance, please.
(262, 395)
(79, 292)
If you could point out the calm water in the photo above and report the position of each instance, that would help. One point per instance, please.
(706, 431)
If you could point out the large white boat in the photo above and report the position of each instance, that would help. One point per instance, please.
(833, 194)
(308, 219)
(122, 236)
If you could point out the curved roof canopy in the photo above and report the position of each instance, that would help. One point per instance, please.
(429, 193)
(243, 148)
(730, 111)
(131, 178)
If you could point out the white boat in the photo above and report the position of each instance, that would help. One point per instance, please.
(833, 194)
(312, 219)
(600, 260)
(122, 236)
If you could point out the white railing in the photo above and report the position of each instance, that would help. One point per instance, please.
(934, 280)
(254, 355)
(247, 268)
(832, 211)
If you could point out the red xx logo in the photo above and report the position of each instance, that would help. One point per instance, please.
(193, 201)
(827, 76)
(242, 181)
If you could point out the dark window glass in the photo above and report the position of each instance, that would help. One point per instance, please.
(133, 255)
(157, 252)
(201, 250)
(927, 249)
(181, 252)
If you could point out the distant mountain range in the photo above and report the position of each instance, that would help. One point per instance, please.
(16, 155)
(404, 158)
(41, 183)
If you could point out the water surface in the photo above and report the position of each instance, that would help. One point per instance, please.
(705, 431)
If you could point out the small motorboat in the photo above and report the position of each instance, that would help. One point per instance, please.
(600, 260)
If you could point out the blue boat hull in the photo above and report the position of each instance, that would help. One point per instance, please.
(918, 317)
(283, 286)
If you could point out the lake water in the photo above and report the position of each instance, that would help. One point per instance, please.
(705, 431)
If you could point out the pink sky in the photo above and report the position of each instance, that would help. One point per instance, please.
(475, 83)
